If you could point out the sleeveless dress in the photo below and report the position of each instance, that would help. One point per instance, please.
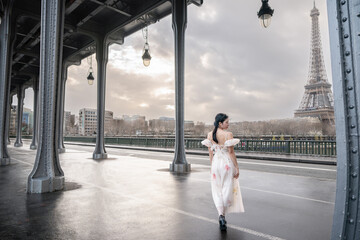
(224, 187)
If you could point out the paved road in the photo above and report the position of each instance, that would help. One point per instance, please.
(299, 169)
(132, 195)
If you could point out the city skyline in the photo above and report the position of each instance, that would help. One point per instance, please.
(232, 65)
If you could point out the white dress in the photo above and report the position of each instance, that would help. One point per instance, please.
(225, 188)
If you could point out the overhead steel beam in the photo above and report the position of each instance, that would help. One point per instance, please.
(118, 26)
(28, 64)
(198, 3)
(27, 53)
(28, 36)
(111, 8)
(71, 47)
(73, 6)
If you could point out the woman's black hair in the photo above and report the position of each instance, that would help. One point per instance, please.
(219, 118)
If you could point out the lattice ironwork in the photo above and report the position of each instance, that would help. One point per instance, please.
(317, 100)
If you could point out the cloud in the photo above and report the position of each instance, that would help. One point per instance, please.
(144, 105)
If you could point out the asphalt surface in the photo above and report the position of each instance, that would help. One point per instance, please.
(132, 195)
(296, 158)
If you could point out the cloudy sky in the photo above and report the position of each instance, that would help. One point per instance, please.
(232, 65)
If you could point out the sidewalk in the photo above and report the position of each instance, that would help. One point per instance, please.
(245, 155)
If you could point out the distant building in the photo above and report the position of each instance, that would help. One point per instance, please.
(164, 125)
(189, 125)
(88, 121)
(13, 121)
(136, 124)
(66, 119)
(27, 120)
(293, 126)
(189, 128)
(117, 127)
(69, 123)
(109, 116)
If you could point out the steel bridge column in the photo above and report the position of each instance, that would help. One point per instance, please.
(102, 49)
(62, 79)
(47, 175)
(8, 118)
(60, 93)
(34, 141)
(344, 27)
(179, 21)
(6, 30)
(19, 115)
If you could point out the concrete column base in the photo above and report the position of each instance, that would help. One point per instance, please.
(17, 144)
(33, 147)
(180, 168)
(4, 161)
(100, 156)
(46, 184)
(61, 150)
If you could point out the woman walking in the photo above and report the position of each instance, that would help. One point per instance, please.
(224, 169)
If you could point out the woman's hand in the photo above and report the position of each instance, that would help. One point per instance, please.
(236, 175)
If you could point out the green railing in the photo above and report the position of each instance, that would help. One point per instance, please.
(304, 147)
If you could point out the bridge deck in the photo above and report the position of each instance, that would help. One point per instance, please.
(133, 197)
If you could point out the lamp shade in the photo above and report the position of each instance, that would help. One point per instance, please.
(265, 20)
(265, 13)
(90, 79)
(146, 57)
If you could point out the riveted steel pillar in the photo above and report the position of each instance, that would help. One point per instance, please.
(34, 141)
(179, 21)
(6, 29)
(19, 115)
(102, 49)
(8, 118)
(344, 27)
(61, 147)
(61, 100)
(47, 175)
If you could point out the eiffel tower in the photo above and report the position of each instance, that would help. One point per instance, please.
(318, 99)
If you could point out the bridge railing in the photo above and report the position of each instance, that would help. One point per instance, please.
(303, 147)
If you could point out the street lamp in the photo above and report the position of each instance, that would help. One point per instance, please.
(146, 52)
(90, 77)
(265, 13)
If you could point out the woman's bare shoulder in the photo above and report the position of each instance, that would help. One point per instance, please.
(229, 135)
(209, 135)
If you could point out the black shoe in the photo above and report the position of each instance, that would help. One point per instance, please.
(222, 223)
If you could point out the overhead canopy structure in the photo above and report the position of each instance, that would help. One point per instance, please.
(84, 19)
(40, 39)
